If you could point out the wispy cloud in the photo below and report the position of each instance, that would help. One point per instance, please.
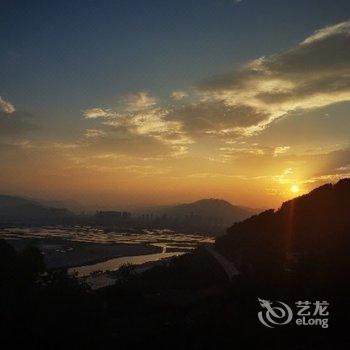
(313, 74)
(6, 106)
(179, 95)
(137, 124)
(280, 150)
(94, 113)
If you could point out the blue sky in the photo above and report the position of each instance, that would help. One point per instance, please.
(73, 54)
(206, 98)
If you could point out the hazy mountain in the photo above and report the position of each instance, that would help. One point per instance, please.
(7, 202)
(69, 204)
(211, 209)
(21, 210)
(216, 208)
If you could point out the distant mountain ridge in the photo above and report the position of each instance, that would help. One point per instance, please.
(7, 201)
(69, 204)
(211, 209)
(14, 209)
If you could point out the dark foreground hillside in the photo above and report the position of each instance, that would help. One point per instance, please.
(298, 253)
(312, 230)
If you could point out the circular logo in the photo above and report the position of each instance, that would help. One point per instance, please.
(274, 313)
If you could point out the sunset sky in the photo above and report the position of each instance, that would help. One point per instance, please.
(117, 103)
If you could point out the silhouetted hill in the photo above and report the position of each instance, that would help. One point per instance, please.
(189, 299)
(21, 210)
(69, 204)
(12, 201)
(210, 209)
(314, 227)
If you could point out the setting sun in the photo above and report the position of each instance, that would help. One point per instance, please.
(294, 189)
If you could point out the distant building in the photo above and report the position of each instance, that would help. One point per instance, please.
(112, 216)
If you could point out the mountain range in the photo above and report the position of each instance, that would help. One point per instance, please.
(211, 208)
(207, 215)
(21, 210)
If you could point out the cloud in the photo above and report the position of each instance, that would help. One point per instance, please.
(234, 149)
(93, 133)
(335, 162)
(94, 113)
(179, 95)
(138, 101)
(327, 167)
(136, 126)
(323, 33)
(280, 150)
(215, 117)
(313, 74)
(6, 106)
(315, 168)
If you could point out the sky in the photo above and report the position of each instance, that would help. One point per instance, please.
(130, 102)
